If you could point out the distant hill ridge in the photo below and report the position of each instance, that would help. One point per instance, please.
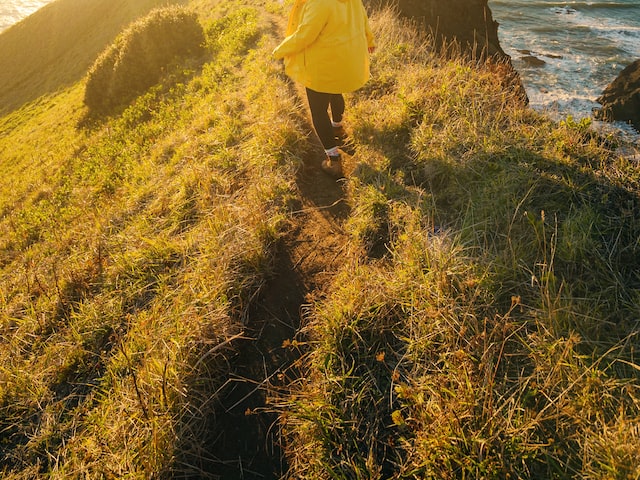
(55, 46)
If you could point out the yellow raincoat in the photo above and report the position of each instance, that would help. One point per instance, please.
(326, 48)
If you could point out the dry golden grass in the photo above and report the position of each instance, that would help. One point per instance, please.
(490, 328)
(482, 324)
(131, 251)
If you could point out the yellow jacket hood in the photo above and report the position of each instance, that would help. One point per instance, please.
(326, 48)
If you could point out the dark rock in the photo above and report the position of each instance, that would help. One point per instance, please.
(621, 99)
(533, 61)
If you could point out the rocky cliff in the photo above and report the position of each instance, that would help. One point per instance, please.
(465, 26)
(468, 22)
(621, 99)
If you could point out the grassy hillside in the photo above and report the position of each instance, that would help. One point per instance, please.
(58, 43)
(183, 294)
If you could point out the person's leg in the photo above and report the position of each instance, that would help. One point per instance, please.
(339, 132)
(337, 108)
(319, 106)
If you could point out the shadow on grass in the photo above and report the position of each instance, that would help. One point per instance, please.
(558, 231)
(580, 216)
(239, 437)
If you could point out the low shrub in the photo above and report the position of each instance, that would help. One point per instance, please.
(139, 56)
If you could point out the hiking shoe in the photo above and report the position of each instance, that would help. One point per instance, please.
(332, 166)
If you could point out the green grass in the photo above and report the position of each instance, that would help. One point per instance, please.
(483, 324)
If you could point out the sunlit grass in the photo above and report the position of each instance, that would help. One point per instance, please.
(132, 248)
(483, 324)
(54, 47)
(489, 329)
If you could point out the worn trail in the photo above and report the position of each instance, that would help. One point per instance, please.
(249, 447)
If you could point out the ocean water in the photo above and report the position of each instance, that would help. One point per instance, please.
(568, 52)
(12, 11)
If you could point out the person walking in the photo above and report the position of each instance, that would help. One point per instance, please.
(327, 49)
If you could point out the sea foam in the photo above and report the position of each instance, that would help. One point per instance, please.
(568, 52)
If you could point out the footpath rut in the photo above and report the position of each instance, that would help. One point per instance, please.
(306, 260)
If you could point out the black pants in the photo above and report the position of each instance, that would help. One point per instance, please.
(319, 105)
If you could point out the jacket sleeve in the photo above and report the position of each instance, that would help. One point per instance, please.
(314, 18)
(367, 29)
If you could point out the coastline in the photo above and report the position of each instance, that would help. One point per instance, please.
(537, 75)
(568, 55)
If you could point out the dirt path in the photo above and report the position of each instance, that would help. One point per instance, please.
(306, 261)
(305, 264)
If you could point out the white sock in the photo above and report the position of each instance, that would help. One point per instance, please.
(336, 124)
(332, 152)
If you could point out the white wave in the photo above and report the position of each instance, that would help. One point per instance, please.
(604, 34)
(554, 3)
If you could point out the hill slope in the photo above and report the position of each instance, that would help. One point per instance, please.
(183, 294)
(55, 46)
